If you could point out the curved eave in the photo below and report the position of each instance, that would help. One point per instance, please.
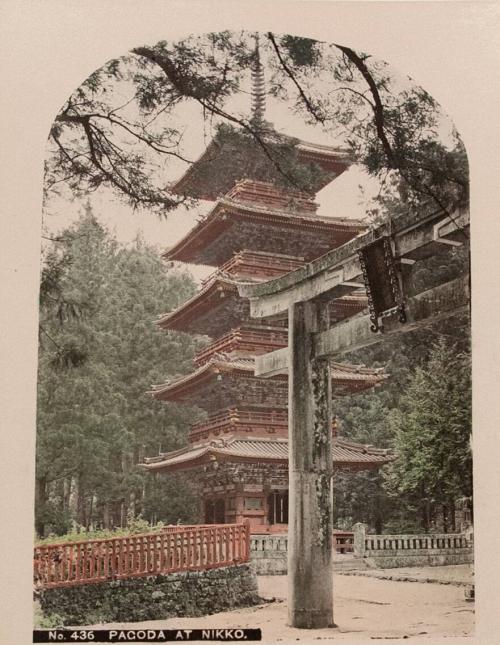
(226, 212)
(210, 370)
(346, 372)
(331, 164)
(345, 454)
(180, 318)
(350, 377)
(221, 292)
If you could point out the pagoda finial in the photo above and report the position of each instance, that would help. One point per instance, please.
(258, 87)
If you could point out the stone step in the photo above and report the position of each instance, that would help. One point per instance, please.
(349, 564)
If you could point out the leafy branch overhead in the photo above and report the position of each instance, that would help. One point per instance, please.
(125, 127)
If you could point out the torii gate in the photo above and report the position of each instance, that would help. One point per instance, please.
(376, 261)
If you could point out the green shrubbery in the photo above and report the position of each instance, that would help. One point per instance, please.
(135, 526)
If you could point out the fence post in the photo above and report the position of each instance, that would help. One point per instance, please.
(359, 530)
(247, 541)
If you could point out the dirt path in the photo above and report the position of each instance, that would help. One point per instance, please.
(364, 608)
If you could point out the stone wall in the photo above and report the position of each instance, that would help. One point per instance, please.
(190, 593)
(391, 551)
(269, 554)
(439, 557)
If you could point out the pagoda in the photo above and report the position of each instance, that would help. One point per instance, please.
(258, 229)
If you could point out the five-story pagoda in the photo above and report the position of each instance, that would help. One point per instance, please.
(259, 228)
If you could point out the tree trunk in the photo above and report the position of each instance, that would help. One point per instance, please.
(67, 493)
(132, 507)
(90, 513)
(453, 523)
(125, 501)
(40, 505)
(378, 509)
(106, 520)
(80, 501)
(425, 515)
(60, 494)
(117, 515)
(444, 513)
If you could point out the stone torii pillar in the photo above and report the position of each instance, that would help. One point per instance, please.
(310, 570)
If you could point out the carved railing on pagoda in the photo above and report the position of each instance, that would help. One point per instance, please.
(268, 195)
(259, 265)
(232, 419)
(253, 341)
(255, 266)
(174, 549)
(255, 422)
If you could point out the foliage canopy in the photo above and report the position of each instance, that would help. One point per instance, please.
(123, 126)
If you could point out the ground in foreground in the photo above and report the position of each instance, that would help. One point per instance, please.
(365, 607)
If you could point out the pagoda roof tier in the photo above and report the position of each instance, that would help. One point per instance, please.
(239, 422)
(217, 308)
(237, 223)
(223, 382)
(248, 340)
(232, 156)
(345, 454)
(213, 311)
(229, 381)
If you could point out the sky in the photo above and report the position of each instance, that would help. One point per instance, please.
(342, 197)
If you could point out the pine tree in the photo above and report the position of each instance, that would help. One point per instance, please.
(432, 429)
(95, 422)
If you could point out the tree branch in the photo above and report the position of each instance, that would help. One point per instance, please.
(183, 88)
(310, 107)
(377, 106)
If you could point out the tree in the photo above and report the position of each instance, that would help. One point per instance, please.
(122, 124)
(432, 431)
(95, 422)
(366, 496)
(394, 128)
(361, 497)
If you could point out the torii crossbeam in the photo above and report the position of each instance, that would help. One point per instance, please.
(373, 260)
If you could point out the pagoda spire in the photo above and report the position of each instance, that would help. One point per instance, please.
(258, 87)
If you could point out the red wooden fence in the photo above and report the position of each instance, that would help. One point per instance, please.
(176, 548)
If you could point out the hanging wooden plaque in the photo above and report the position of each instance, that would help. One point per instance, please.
(381, 282)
